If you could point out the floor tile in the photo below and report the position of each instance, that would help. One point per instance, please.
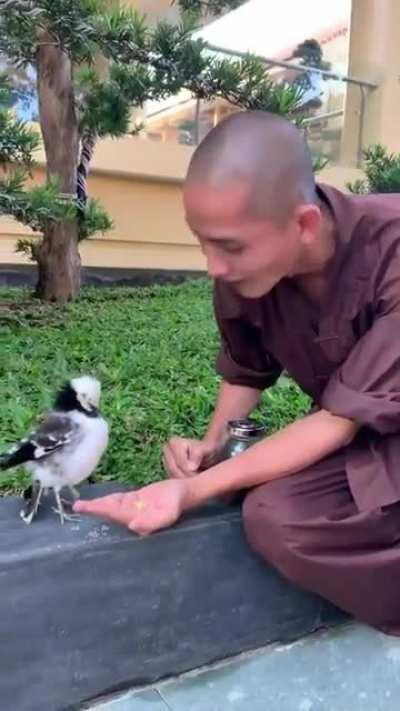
(134, 701)
(346, 669)
(349, 668)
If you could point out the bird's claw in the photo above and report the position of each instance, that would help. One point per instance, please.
(64, 516)
(27, 518)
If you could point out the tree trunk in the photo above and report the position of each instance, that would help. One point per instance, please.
(59, 264)
(58, 255)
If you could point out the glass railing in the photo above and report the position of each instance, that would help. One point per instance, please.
(322, 107)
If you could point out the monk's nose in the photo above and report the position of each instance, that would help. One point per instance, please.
(216, 267)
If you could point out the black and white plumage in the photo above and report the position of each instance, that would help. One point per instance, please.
(66, 447)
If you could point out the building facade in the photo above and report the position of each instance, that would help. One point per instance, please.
(139, 179)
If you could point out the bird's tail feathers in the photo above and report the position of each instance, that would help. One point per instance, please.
(6, 461)
(12, 458)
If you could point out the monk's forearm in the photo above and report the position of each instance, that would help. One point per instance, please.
(294, 448)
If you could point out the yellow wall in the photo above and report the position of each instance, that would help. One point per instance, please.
(139, 183)
(154, 9)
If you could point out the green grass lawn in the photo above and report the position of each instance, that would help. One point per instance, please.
(153, 350)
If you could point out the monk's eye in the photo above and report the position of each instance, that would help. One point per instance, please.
(233, 248)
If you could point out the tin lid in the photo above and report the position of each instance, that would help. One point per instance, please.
(245, 428)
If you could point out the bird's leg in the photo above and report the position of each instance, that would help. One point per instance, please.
(31, 510)
(37, 502)
(60, 509)
(74, 491)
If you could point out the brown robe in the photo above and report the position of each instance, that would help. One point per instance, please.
(334, 528)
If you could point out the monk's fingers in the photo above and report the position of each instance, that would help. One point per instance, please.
(171, 466)
(103, 506)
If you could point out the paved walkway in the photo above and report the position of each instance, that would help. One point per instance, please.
(350, 668)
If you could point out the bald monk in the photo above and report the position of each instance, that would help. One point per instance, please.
(306, 280)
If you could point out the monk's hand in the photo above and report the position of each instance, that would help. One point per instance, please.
(183, 457)
(143, 511)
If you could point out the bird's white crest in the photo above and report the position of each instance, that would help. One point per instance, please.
(88, 391)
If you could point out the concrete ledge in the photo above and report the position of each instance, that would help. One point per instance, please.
(89, 608)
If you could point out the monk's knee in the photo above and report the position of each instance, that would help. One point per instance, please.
(264, 523)
(270, 525)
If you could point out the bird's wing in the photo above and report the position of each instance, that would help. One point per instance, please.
(54, 432)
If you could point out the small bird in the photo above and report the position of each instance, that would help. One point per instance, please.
(66, 447)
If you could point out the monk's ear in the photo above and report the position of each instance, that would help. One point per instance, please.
(308, 218)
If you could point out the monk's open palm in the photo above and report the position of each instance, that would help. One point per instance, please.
(145, 510)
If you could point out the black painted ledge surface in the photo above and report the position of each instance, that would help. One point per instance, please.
(26, 275)
(89, 608)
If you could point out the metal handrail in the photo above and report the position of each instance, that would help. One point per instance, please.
(289, 65)
(322, 117)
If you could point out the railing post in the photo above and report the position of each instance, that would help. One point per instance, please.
(372, 117)
(197, 123)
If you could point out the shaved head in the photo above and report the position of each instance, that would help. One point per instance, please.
(251, 202)
(262, 155)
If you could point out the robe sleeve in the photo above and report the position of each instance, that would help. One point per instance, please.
(366, 387)
(242, 358)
